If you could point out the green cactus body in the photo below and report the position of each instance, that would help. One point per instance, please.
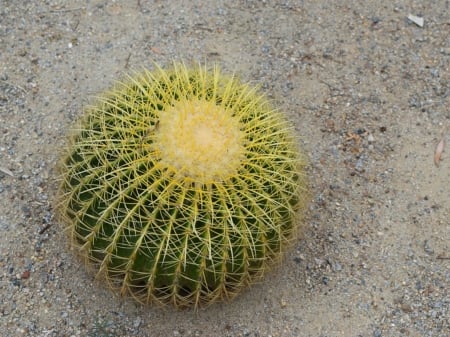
(181, 186)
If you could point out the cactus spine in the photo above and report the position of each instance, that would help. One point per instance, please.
(181, 186)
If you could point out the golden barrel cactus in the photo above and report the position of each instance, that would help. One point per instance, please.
(181, 186)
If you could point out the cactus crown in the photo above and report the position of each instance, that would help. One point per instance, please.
(181, 186)
(200, 140)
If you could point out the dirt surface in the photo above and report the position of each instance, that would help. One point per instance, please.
(369, 94)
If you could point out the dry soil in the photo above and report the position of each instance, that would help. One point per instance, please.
(368, 91)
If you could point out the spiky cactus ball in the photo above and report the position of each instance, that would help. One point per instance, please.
(181, 186)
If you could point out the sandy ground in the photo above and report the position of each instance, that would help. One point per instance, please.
(369, 94)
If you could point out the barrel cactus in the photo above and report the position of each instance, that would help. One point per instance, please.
(181, 186)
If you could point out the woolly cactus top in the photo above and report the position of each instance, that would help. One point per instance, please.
(200, 140)
(181, 186)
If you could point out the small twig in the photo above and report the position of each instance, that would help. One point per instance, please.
(43, 229)
(127, 61)
(441, 257)
(64, 10)
(6, 171)
(439, 148)
(438, 151)
(14, 86)
(76, 26)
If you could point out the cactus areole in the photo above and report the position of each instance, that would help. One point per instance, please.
(181, 186)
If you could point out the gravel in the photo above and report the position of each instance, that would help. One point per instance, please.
(366, 89)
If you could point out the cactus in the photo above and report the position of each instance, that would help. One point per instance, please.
(181, 186)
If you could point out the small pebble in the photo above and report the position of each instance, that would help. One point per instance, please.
(337, 266)
(137, 322)
(25, 275)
